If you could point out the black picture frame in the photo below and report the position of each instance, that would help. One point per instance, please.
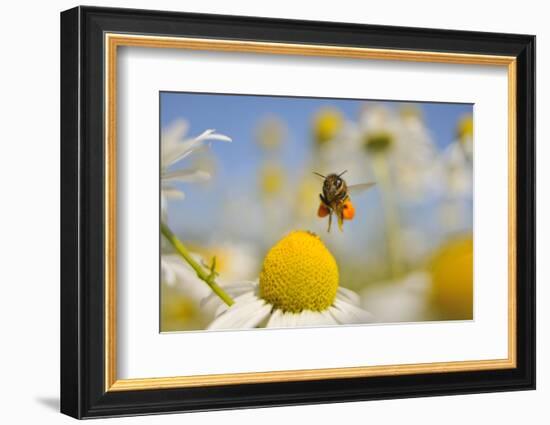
(83, 392)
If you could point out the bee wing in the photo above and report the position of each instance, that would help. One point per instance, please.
(355, 189)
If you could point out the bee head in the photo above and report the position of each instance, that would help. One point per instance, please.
(334, 186)
(334, 183)
(337, 178)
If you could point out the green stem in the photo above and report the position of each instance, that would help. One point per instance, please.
(381, 169)
(207, 278)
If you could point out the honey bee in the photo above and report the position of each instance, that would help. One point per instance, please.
(335, 198)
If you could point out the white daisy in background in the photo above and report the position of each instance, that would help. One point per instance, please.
(403, 140)
(405, 299)
(457, 161)
(234, 261)
(181, 295)
(178, 275)
(174, 148)
(337, 147)
(417, 175)
(458, 174)
(396, 147)
(298, 286)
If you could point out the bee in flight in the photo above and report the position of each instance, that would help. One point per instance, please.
(335, 198)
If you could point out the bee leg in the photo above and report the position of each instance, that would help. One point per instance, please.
(329, 222)
(340, 222)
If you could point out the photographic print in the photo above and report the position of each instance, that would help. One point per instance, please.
(281, 212)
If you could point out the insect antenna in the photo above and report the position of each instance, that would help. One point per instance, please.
(342, 173)
(320, 175)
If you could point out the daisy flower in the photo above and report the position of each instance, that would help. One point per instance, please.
(327, 124)
(456, 161)
(405, 299)
(176, 147)
(402, 138)
(298, 286)
(178, 276)
(336, 145)
(452, 271)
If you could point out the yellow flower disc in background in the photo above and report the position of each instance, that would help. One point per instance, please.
(272, 179)
(452, 279)
(465, 128)
(179, 312)
(307, 198)
(328, 122)
(410, 111)
(299, 273)
(271, 133)
(465, 134)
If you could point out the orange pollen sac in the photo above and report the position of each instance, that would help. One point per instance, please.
(349, 211)
(323, 211)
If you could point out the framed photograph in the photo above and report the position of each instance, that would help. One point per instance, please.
(261, 212)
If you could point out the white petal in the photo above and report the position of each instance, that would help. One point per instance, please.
(242, 315)
(167, 272)
(170, 139)
(212, 135)
(239, 288)
(328, 318)
(163, 208)
(169, 192)
(287, 320)
(305, 318)
(242, 299)
(314, 318)
(185, 148)
(346, 313)
(234, 290)
(185, 278)
(186, 176)
(275, 321)
(174, 133)
(348, 295)
(177, 152)
(418, 282)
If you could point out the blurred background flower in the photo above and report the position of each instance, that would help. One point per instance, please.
(452, 275)
(401, 300)
(181, 295)
(175, 148)
(406, 251)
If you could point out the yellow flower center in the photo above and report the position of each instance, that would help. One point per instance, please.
(272, 179)
(378, 141)
(465, 128)
(299, 273)
(327, 124)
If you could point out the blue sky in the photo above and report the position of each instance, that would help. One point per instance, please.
(238, 117)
